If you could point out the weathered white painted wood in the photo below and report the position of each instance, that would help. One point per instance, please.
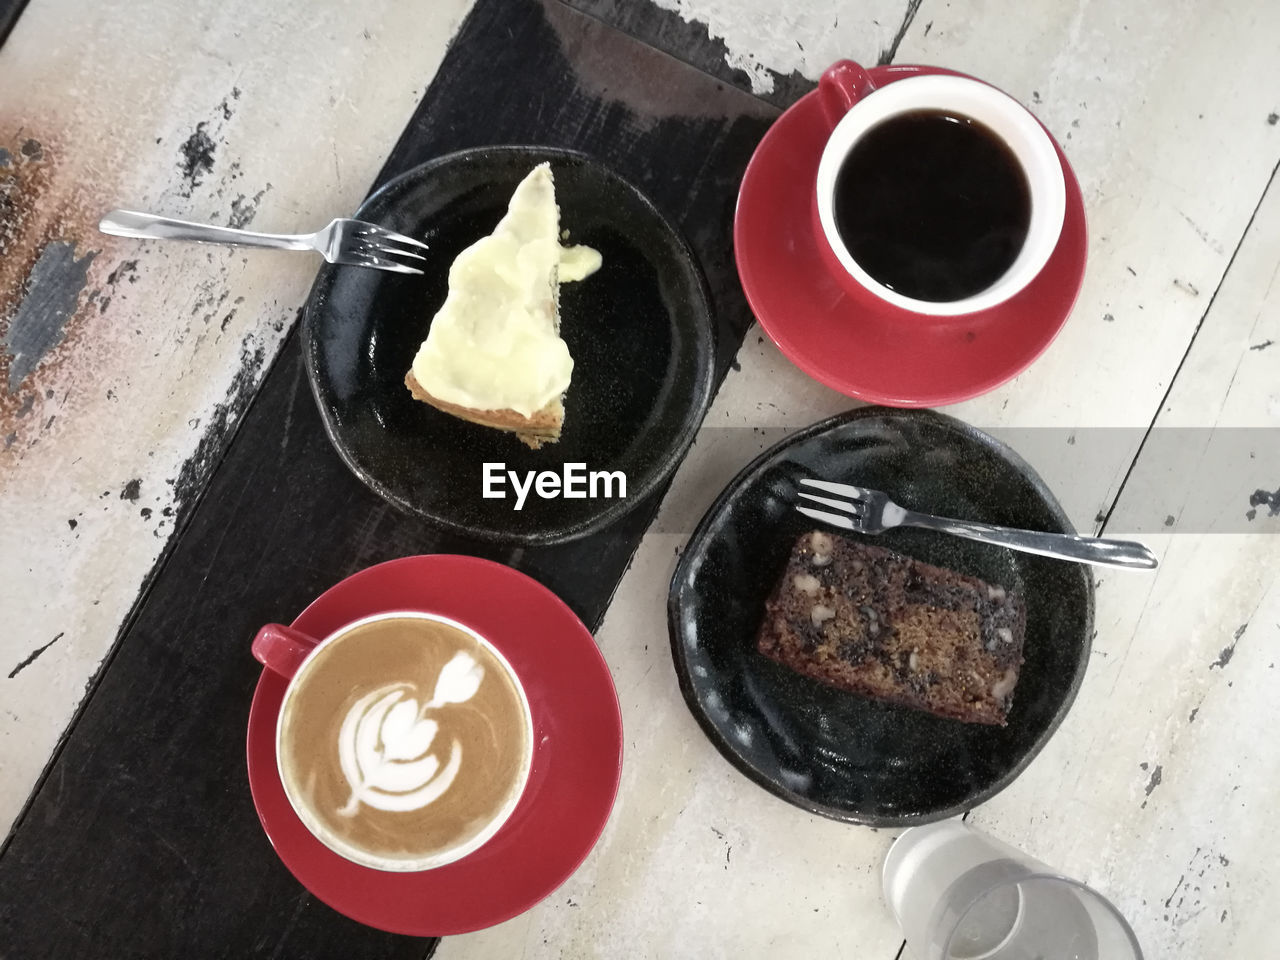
(299, 104)
(1161, 785)
(765, 38)
(1155, 99)
(1143, 110)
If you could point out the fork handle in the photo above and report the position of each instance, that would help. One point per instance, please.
(1064, 546)
(147, 226)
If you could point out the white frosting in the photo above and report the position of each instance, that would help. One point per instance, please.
(578, 263)
(386, 736)
(495, 342)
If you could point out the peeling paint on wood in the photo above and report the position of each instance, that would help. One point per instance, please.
(777, 53)
(32, 657)
(1229, 651)
(1185, 673)
(196, 156)
(1154, 781)
(145, 376)
(49, 297)
(244, 209)
(764, 39)
(1143, 152)
(1158, 633)
(1268, 499)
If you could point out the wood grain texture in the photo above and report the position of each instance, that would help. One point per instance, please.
(142, 840)
(1165, 770)
(777, 52)
(1158, 786)
(1142, 145)
(125, 366)
(697, 862)
(151, 778)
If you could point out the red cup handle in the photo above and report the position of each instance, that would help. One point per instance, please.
(282, 649)
(843, 84)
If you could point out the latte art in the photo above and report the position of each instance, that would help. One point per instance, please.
(385, 737)
(388, 776)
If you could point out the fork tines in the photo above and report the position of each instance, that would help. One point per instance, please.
(856, 493)
(850, 507)
(855, 511)
(376, 246)
(362, 258)
(382, 233)
(832, 518)
(855, 507)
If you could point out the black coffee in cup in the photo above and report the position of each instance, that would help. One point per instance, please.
(932, 205)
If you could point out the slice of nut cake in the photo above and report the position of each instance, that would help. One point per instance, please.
(885, 626)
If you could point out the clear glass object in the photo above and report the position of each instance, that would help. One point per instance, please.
(961, 895)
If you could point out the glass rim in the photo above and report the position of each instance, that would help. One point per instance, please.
(1042, 875)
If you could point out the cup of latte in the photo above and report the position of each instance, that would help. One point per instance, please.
(404, 739)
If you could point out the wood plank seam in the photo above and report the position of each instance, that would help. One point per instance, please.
(1226, 270)
(1130, 475)
(888, 56)
(712, 200)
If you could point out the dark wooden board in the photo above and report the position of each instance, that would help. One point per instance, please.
(10, 10)
(679, 135)
(689, 40)
(141, 841)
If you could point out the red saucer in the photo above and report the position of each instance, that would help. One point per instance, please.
(577, 751)
(855, 343)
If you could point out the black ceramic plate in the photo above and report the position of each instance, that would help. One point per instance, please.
(639, 331)
(831, 752)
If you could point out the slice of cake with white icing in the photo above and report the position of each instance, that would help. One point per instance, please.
(494, 355)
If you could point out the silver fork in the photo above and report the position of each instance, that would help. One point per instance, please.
(342, 241)
(872, 512)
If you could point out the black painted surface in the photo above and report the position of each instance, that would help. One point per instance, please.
(829, 751)
(567, 80)
(690, 41)
(10, 10)
(639, 332)
(142, 840)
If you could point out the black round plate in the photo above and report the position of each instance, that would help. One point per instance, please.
(831, 752)
(639, 330)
